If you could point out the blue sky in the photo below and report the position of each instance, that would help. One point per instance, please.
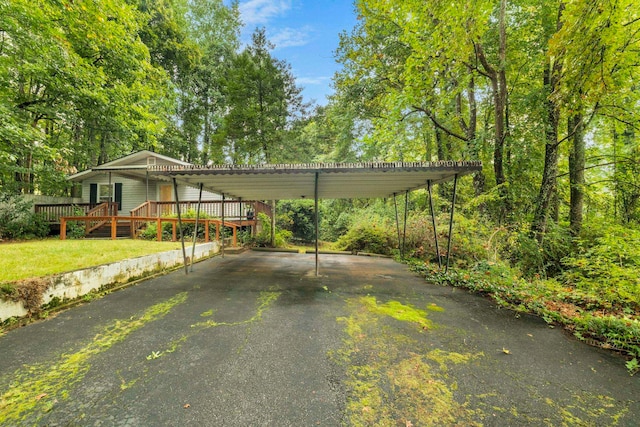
(305, 33)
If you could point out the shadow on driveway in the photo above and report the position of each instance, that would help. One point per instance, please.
(257, 339)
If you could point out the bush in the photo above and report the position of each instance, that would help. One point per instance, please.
(543, 259)
(263, 239)
(297, 216)
(17, 221)
(606, 266)
(368, 235)
(151, 230)
(76, 229)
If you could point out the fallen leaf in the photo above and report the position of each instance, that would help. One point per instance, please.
(408, 424)
(40, 396)
(186, 405)
(505, 351)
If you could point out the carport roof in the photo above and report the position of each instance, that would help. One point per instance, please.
(335, 180)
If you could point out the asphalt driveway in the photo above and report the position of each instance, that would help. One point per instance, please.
(257, 340)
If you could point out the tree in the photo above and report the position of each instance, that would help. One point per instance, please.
(263, 100)
(592, 63)
(78, 85)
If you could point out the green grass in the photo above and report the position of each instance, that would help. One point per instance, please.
(46, 257)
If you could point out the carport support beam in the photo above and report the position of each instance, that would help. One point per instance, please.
(273, 223)
(404, 231)
(184, 252)
(195, 230)
(433, 222)
(315, 199)
(453, 205)
(395, 204)
(222, 230)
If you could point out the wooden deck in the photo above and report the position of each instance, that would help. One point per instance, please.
(234, 210)
(133, 224)
(93, 218)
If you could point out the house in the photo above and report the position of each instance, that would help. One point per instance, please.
(126, 182)
(125, 188)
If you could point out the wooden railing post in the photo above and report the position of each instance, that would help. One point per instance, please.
(206, 230)
(63, 229)
(114, 228)
(159, 230)
(235, 236)
(173, 231)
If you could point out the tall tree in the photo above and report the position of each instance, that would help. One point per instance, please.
(79, 78)
(263, 100)
(593, 58)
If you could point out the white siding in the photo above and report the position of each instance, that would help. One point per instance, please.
(133, 191)
(191, 193)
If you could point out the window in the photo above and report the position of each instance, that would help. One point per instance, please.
(151, 161)
(105, 191)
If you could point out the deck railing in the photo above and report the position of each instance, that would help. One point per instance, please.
(209, 208)
(93, 217)
(113, 220)
(53, 212)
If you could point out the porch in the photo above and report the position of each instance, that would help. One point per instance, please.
(102, 220)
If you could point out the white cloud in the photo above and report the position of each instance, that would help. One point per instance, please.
(256, 12)
(318, 80)
(290, 37)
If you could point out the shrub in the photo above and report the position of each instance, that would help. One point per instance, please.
(607, 266)
(75, 229)
(17, 221)
(263, 239)
(368, 235)
(297, 216)
(151, 230)
(543, 259)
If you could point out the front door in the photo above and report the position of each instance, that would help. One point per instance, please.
(166, 195)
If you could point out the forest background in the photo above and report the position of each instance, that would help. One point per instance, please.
(544, 92)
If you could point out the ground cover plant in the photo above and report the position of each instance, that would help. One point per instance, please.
(593, 291)
(588, 284)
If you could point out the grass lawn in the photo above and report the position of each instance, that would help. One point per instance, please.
(45, 257)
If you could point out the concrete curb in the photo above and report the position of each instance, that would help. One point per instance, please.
(72, 285)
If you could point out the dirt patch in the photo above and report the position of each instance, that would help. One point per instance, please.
(566, 309)
(30, 293)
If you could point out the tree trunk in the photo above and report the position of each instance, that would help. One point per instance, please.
(547, 192)
(478, 177)
(499, 83)
(576, 172)
(498, 78)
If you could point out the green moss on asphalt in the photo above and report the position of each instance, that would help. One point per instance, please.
(387, 382)
(36, 388)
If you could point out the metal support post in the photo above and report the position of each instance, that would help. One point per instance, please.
(195, 230)
(404, 231)
(222, 229)
(395, 204)
(433, 222)
(184, 252)
(240, 208)
(273, 223)
(453, 204)
(315, 198)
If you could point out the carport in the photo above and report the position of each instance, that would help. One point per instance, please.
(323, 181)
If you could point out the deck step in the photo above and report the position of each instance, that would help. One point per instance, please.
(123, 230)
